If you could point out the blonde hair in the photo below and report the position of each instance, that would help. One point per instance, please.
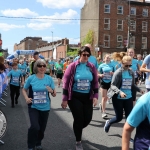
(107, 54)
(118, 56)
(126, 59)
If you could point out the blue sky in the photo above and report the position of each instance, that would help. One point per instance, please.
(13, 30)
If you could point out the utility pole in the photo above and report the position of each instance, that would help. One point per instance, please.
(52, 44)
(129, 23)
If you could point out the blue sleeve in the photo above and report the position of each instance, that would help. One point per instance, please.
(52, 85)
(147, 60)
(96, 64)
(27, 82)
(76, 59)
(138, 114)
(9, 74)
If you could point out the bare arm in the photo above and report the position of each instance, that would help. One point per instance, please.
(28, 100)
(127, 130)
(143, 68)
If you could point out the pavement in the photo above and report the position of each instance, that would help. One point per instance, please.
(59, 134)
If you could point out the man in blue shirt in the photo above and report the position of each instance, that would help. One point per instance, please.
(139, 118)
(52, 63)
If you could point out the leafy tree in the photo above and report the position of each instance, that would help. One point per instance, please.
(89, 38)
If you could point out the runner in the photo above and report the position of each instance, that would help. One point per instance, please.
(38, 102)
(59, 71)
(139, 119)
(52, 63)
(15, 76)
(121, 92)
(146, 69)
(80, 92)
(106, 71)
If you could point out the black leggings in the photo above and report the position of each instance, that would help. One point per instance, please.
(120, 105)
(14, 93)
(82, 110)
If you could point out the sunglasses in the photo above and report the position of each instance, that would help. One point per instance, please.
(128, 65)
(88, 55)
(40, 66)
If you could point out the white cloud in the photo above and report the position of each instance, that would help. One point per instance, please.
(6, 27)
(62, 3)
(19, 13)
(71, 40)
(39, 26)
(70, 14)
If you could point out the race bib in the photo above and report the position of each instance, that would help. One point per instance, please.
(126, 84)
(39, 98)
(83, 85)
(23, 70)
(15, 80)
(107, 76)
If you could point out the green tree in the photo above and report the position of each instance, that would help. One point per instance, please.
(89, 38)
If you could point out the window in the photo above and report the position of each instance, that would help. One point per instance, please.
(144, 42)
(106, 41)
(106, 23)
(133, 25)
(133, 11)
(145, 12)
(119, 41)
(120, 10)
(132, 42)
(120, 25)
(144, 26)
(106, 8)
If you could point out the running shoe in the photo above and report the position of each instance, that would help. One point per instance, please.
(104, 115)
(107, 126)
(39, 147)
(108, 101)
(79, 146)
(100, 107)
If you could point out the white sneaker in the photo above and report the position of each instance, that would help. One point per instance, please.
(79, 146)
(104, 115)
(108, 101)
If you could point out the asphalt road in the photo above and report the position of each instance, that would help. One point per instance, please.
(59, 134)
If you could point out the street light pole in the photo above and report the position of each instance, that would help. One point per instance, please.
(129, 23)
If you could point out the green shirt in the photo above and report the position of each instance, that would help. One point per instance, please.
(59, 68)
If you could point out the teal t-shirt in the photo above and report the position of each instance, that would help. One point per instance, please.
(59, 68)
(82, 79)
(41, 100)
(15, 76)
(106, 69)
(114, 64)
(140, 62)
(23, 68)
(140, 111)
(126, 85)
(91, 59)
(134, 67)
(52, 63)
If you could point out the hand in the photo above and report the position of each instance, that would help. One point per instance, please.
(95, 101)
(101, 75)
(49, 89)
(64, 104)
(122, 95)
(54, 93)
(111, 73)
(142, 92)
(29, 100)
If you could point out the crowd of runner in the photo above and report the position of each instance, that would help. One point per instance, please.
(115, 76)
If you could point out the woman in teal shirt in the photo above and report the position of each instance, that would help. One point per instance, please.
(38, 102)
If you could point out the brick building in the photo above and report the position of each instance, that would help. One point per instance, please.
(29, 43)
(59, 47)
(117, 24)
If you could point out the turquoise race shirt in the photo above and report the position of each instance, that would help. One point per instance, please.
(23, 68)
(134, 67)
(15, 76)
(82, 79)
(126, 85)
(106, 69)
(41, 99)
